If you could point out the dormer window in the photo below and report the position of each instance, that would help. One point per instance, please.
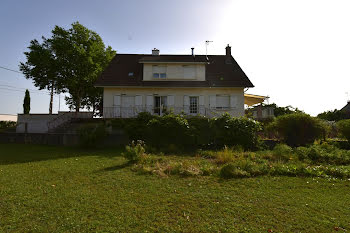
(159, 72)
(131, 74)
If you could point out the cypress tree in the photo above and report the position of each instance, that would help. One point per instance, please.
(26, 103)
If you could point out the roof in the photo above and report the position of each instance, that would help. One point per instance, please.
(221, 71)
(346, 108)
(250, 99)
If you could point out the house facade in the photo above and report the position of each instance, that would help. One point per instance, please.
(191, 84)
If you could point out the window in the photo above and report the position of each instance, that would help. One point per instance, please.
(160, 104)
(159, 72)
(189, 72)
(131, 74)
(194, 104)
(222, 101)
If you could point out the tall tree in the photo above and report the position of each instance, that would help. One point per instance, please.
(26, 102)
(81, 56)
(41, 67)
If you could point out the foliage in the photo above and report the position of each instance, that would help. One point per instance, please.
(335, 115)
(298, 129)
(135, 151)
(7, 124)
(91, 135)
(280, 111)
(176, 132)
(69, 61)
(41, 66)
(168, 129)
(344, 128)
(81, 56)
(26, 102)
(232, 131)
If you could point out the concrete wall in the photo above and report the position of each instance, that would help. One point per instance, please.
(174, 72)
(178, 93)
(35, 123)
(8, 117)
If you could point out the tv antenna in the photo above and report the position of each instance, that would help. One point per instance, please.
(206, 47)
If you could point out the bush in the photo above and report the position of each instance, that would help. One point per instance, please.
(344, 128)
(298, 129)
(91, 135)
(168, 129)
(135, 151)
(7, 124)
(232, 131)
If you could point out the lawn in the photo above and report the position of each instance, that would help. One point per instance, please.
(56, 189)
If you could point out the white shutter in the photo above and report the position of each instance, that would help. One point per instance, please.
(117, 100)
(138, 100)
(186, 104)
(149, 103)
(233, 101)
(212, 101)
(171, 100)
(189, 72)
(201, 100)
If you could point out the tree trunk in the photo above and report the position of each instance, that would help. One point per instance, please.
(51, 100)
(77, 106)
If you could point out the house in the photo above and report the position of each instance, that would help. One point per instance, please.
(194, 84)
(346, 109)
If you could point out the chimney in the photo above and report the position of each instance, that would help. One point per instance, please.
(228, 51)
(192, 51)
(155, 52)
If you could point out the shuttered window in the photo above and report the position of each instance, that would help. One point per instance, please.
(222, 101)
(189, 72)
(159, 72)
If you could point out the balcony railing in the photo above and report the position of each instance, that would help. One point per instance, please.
(129, 112)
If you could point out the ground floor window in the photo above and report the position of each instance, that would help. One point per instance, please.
(222, 101)
(194, 104)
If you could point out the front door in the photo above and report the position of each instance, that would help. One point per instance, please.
(160, 105)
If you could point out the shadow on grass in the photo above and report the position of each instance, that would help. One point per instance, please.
(117, 167)
(24, 153)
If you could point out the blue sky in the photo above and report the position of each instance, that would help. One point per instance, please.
(297, 52)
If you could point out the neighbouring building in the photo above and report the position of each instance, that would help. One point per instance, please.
(193, 84)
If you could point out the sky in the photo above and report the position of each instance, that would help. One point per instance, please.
(297, 52)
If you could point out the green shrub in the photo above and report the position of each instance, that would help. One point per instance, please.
(91, 135)
(282, 152)
(135, 151)
(232, 171)
(298, 129)
(7, 124)
(168, 129)
(232, 131)
(344, 128)
(200, 131)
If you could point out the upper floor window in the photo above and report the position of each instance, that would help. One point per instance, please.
(159, 72)
(189, 72)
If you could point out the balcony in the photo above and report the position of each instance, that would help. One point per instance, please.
(130, 112)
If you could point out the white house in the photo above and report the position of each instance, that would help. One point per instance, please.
(193, 84)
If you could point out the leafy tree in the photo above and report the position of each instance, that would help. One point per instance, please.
(81, 56)
(26, 103)
(280, 111)
(41, 67)
(335, 115)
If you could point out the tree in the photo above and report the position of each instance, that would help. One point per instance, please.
(26, 103)
(335, 115)
(81, 56)
(41, 67)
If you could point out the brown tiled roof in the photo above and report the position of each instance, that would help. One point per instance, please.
(221, 71)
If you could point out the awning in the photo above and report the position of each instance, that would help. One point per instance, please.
(251, 100)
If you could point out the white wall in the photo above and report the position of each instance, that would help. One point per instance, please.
(174, 72)
(178, 94)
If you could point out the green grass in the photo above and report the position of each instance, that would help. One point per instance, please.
(56, 189)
